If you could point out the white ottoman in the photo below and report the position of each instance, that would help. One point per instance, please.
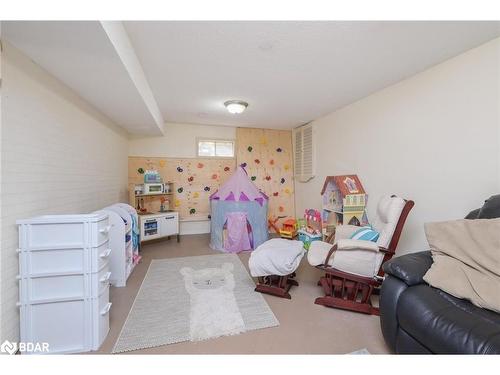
(274, 264)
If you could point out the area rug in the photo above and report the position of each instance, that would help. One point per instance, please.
(192, 299)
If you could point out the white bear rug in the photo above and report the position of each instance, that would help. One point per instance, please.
(192, 299)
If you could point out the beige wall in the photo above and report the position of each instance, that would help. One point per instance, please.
(179, 140)
(58, 156)
(433, 138)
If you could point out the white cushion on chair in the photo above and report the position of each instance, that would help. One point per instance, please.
(358, 261)
(388, 212)
(317, 253)
(345, 231)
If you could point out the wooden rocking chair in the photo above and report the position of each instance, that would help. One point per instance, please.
(352, 268)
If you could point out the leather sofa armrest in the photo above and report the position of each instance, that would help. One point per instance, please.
(410, 268)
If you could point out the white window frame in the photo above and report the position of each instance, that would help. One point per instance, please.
(215, 140)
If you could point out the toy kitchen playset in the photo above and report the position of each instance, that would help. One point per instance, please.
(152, 202)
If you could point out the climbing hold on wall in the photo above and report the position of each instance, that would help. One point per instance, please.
(200, 165)
(226, 169)
(249, 148)
(140, 171)
(268, 178)
(207, 188)
(286, 167)
(177, 203)
(263, 141)
(191, 178)
(243, 165)
(180, 170)
(281, 208)
(271, 161)
(282, 180)
(279, 149)
(192, 211)
(253, 178)
(257, 161)
(275, 194)
(162, 163)
(214, 177)
(196, 194)
(287, 191)
(180, 190)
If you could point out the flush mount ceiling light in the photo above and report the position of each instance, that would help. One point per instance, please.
(235, 106)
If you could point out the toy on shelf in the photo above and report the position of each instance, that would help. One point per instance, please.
(344, 202)
(310, 228)
(289, 229)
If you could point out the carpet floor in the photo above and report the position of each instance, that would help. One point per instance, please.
(305, 328)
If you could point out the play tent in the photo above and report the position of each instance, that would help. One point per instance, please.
(238, 215)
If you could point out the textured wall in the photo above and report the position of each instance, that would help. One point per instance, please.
(433, 138)
(59, 155)
(267, 155)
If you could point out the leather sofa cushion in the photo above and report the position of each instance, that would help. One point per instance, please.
(491, 208)
(447, 324)
(410, 268)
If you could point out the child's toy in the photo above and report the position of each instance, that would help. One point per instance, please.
(289, 229)
(312, 230)
(272, 223)
(238, 215)
(344, 201)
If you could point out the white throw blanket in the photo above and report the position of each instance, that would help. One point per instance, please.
(276, 257)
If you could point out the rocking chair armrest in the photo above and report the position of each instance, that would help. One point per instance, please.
(357, 245)
(347, 245)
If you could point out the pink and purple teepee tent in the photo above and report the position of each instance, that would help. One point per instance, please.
(238, 215)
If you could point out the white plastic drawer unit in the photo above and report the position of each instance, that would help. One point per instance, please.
(53, 261)
(51, 287)
(71, 326)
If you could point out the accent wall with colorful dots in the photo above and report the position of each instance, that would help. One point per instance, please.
(194, 181)
(267, 156)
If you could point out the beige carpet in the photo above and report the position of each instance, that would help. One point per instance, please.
(305, 328)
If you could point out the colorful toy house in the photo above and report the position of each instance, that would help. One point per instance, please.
(344, 201)
(289, 229)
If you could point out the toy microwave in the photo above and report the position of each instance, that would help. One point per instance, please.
(154, 188)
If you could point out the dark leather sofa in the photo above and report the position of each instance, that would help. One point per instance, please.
(419, 319)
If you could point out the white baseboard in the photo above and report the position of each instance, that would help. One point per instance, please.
(194, 226)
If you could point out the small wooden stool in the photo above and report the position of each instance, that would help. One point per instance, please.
(276, 285)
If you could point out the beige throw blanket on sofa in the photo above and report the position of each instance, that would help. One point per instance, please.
(466, 256)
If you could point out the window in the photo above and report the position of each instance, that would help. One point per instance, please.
(222, 148)
(304, 153)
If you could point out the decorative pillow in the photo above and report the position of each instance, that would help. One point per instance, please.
(365, 234)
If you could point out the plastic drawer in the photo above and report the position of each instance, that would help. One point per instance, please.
(53, 287)
(54, 261)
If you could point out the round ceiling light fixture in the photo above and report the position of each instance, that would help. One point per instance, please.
(235, 106)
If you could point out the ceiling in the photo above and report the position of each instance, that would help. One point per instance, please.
(289, 72)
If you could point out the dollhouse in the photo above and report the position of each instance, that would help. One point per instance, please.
(344, 201)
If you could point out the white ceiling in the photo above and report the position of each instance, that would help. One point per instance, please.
(80, 54)
(288, 72)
